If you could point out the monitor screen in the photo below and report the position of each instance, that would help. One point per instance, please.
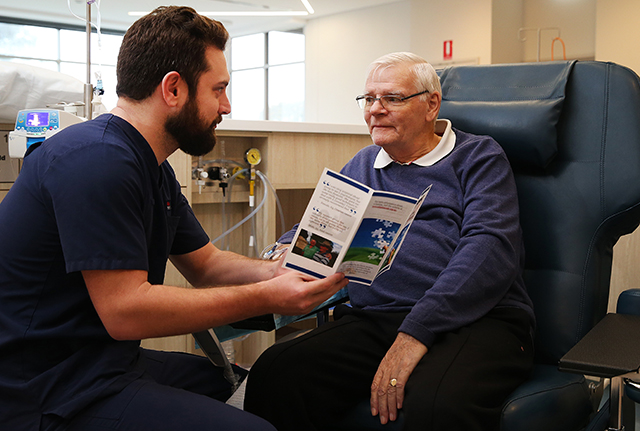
(37, 119)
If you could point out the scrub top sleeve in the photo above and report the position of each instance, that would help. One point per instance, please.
(98, 204)
(190, 235)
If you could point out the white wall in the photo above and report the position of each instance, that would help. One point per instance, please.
(466, 23)
(576, 20)
(338, 50)
(507, 18)
(618, 32)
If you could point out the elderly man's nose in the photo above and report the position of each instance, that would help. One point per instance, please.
(377, 106)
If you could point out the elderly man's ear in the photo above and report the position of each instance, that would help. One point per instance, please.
(433, 103)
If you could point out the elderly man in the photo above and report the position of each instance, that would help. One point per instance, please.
(87, 231)
(446, 334)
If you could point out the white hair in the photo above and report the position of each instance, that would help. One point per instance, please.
(425, 76)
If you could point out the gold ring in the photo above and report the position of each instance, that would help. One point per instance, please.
(393, 382)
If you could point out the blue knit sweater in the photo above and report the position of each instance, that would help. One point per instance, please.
(463, 255)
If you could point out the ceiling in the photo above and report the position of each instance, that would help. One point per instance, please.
(114, 13)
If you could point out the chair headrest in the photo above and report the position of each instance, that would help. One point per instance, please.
(493, 100)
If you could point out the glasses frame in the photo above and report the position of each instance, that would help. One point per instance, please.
(362, 100)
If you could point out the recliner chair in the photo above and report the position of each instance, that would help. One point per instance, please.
(571, 131)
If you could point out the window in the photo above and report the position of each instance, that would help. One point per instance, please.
(267, 69)
(63, 50)
(267, 76)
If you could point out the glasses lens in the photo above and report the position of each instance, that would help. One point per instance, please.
(365, 102)
(391, 100)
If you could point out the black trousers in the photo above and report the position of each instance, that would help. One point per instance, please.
(310, 382)
(178, 392)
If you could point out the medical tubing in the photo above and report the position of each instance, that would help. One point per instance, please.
(253, 220)
(224, 219)
(251, 214)
(265, 180)
(226, 244)
(230, 182)
(275, 195)
(89, 2)
(254, 229)
(223, 206)
(254, 236)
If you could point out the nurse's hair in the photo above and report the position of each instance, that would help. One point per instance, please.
(171, 38)
(425, 76)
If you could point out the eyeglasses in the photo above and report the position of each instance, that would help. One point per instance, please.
(389, 101)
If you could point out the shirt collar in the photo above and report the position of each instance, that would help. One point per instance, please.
(444, 147)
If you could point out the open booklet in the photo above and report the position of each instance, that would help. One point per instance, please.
(351, 228)
(347, 227)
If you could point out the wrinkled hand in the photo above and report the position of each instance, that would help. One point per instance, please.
(398, 364)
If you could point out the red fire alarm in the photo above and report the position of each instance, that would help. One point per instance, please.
(448, 50)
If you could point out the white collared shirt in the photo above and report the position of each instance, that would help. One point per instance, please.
(444, 147)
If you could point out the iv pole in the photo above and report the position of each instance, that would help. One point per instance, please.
(88, 88)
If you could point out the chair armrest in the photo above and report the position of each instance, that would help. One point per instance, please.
(610, 349)
(629, 302)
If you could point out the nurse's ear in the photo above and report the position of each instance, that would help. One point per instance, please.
(174, 89)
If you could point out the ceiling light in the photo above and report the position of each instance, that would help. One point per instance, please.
(240, 14)
(307, 5)
(257, 13)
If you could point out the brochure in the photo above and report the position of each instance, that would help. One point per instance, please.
(349, 227)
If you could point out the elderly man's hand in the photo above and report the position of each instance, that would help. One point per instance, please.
(387, 389)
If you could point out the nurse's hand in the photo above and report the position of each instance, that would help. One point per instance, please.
(276, 260)
(387, 389)
(293, 293)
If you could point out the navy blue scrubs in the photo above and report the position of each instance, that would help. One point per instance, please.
(90, 198)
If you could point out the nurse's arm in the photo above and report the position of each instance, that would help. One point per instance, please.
(210, 266)
(132, 309)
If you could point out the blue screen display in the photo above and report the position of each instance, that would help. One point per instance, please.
(37, 119)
